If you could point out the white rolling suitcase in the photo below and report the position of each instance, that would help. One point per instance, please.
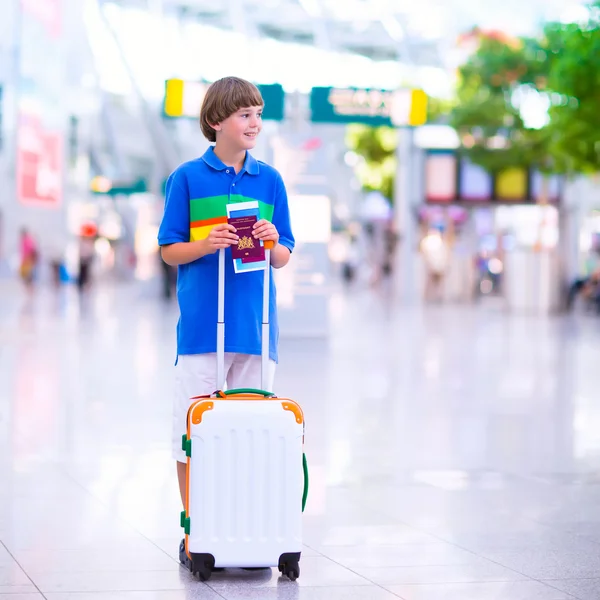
(247, 479)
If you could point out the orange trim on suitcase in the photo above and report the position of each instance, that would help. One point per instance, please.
(287, 404)
(187, 497)
(295, 408)
(199, 409)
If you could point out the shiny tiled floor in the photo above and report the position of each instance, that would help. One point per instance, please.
(454, 452)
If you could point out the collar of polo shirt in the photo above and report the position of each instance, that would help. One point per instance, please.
(213, 161)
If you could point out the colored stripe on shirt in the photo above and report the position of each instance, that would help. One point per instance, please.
(207, 212)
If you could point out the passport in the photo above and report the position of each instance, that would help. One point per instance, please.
(249, 249)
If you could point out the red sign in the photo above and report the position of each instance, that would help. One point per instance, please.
(39, 163)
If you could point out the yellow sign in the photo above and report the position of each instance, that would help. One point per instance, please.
(418, 108)
(409, 108)
(183, 98)
(174, 97)
(511, 184)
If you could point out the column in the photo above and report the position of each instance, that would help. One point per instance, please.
(405, 200)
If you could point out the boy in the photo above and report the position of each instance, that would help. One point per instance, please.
(197, 193)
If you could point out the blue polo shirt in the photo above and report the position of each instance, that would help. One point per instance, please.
(197, 193)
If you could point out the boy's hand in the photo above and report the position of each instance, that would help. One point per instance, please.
(221, 236)
(265, 231)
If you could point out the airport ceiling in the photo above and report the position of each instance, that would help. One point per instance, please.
(417, 32)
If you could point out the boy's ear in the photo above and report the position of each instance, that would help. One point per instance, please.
(216, 126)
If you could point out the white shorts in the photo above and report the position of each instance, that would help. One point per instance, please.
(196, 375)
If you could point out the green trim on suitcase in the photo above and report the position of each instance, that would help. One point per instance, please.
(250, 391)
(186, 445)
(305, 470)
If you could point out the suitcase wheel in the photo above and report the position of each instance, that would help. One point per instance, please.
(204, 574)
(289, 566)
(202, 566)
(292, 572)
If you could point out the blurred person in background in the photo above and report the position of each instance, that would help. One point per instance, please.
(56, 259)
(390, 241)
(435, 255)
(87, 250)
(435, 248)
(377, 215)
(28, 258)
(352, 252)
(588, 288)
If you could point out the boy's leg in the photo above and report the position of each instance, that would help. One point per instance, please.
(195, 375)
(246, 371)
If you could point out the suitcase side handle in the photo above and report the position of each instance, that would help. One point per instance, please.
(250, 391)
(305, 470)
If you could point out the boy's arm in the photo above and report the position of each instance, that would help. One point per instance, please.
(280, 254)
(182, 253)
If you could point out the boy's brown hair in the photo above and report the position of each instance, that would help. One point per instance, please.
(222, 99)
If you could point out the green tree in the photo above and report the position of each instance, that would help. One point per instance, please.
(493, 81)
(439, 110)
(376, 147)
(574, 81)
(560, 66)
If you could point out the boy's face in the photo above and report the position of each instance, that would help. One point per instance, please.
(240, 129)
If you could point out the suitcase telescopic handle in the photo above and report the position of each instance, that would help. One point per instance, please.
(265, 319)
